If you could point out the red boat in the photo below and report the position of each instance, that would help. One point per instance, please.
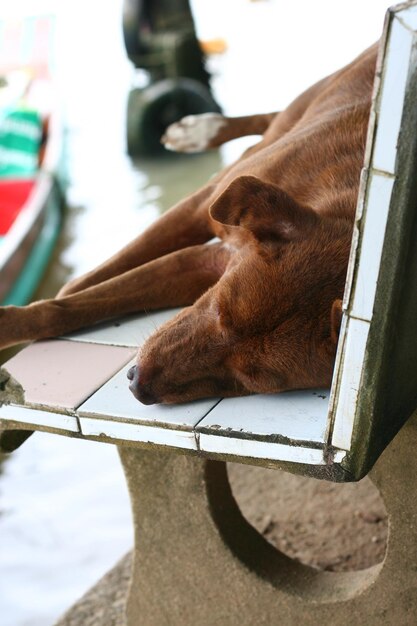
(30, 158)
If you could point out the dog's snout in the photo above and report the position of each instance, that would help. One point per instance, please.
(140, 390)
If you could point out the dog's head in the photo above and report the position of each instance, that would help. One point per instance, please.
(271, 322)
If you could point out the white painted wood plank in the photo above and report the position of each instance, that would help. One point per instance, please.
(394, 82)
(376, 214)
(115, 401)
(127, 331)
(260, 450)
(36, 417)
(353, 362)
(137, 432)
(338, 367)
(295, 415)
(354, 246)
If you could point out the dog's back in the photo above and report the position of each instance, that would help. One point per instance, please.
(314, 149)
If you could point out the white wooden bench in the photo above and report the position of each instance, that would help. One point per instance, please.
(193, 548)
(77, 386)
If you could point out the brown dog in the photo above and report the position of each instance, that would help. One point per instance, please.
(263, 303)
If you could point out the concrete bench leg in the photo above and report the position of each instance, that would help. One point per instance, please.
(11, 391)
(198, 562)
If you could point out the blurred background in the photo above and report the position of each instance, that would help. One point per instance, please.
(64, 509)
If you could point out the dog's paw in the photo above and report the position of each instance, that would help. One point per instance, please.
(193, 133)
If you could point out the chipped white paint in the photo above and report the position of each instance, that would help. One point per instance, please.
(353, 363)
(260, 450)
(295, 415)
(338, 456)
(36, 417)
(193, 133)
(376, 214)
(394, 81)
(128, 331)
(137, 432)
(115, 402)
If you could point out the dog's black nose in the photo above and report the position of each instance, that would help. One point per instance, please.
(141, 391)
(131, 372)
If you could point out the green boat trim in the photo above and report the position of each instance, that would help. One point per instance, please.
(38, 258)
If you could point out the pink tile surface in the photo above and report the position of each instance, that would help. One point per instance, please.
(59, 373)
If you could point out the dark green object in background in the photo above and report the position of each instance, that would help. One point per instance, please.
(152, 110)
(160, 38)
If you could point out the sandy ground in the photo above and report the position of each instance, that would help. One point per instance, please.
(334, 527)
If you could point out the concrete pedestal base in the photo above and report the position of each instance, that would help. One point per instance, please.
(198, 562)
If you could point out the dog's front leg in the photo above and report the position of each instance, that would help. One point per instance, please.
(186, 224)
(176, 279)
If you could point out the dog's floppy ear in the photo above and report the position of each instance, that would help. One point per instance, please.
(262, 208)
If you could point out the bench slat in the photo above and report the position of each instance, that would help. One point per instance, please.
(253, 449)
(62, 374)
(292, 417)
(114, 402)
(39, 418)
(121, 431)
